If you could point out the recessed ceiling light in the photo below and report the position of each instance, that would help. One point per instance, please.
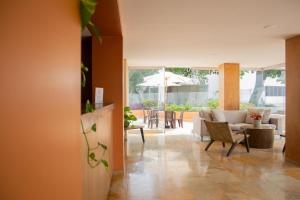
(270, 26)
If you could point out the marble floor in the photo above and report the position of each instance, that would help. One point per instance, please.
(176, 167)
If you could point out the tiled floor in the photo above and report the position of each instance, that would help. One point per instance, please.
(176, 167)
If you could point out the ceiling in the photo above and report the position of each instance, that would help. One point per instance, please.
(206, 33)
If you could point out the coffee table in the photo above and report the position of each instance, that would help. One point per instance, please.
(261, 137)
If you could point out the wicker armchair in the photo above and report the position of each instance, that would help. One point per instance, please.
(220, 131)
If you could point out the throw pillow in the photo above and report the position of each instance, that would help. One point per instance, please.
(266, 116)
(218, 115)
(249, 120)
(206, 114)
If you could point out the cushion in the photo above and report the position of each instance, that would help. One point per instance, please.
(238, 126)
(249, 120)
(266, 116)
(218, 115)
(235, 127)
(235, 116)
(206, 114)
(238, 137)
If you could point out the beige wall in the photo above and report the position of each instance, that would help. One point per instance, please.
(97, 180)
(293, 99)
(40, 100)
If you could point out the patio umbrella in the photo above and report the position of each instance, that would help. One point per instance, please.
(163, 80)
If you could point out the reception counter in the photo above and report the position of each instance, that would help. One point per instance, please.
(96, 180)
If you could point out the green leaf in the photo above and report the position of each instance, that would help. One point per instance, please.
(104, 163)
(127, 109)
(95, 30)
(84, 69)
(88, 107)
(93, 156)
(87, 9)
(83, 79)
(94, 127)
(102, 145)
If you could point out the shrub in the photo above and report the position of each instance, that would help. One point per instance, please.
(178, 108)
(128, 117)
(245, 106)
(213, 103)
(149, 103)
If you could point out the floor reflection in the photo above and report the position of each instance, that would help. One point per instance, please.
(176, 166)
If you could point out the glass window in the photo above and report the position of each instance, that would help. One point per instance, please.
(263, 88)
(195, 90)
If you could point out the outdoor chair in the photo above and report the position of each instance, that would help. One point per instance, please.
(220, 131)
(180, 119)
(146, 114)
(170, 117)
(153, 118)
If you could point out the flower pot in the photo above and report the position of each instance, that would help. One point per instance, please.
(256, 123)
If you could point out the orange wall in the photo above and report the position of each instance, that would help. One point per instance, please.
(40, 100)
(107, 69)
(293, 99)
(107, 73)
(229, 75)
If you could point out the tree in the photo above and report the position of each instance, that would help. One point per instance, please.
(261, 76)
(201, 75)
(136, 77)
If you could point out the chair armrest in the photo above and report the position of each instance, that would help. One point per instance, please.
(199, 126)
(278, 122)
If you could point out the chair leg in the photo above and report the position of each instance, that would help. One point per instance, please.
(283, 150)
(231, 148)
(247, 144)
(223, 143)
(201, 138)
(210, 143)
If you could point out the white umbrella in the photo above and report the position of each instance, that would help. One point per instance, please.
(163, 80)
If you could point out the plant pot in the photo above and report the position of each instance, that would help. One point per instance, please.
(256, 123)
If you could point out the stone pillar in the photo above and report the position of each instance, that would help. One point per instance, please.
(229, 94)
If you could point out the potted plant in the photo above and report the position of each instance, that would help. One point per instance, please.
(256, 119)
(128, 117)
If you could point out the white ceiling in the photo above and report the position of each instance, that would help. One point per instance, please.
(206, 33)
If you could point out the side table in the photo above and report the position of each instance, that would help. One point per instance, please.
(136, 127)
(261, 137)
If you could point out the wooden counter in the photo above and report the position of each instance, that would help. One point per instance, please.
(96, 183)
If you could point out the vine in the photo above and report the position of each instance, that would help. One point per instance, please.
(91, 151)
(87, 9)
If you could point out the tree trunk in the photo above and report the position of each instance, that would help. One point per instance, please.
(258, 89)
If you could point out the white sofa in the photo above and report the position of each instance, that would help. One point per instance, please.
(236, 119)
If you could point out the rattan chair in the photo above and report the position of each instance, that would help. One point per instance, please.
(220, 131)
(153, 117)
(170, 117)
(180, 119)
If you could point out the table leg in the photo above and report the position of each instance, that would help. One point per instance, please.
(142, 133)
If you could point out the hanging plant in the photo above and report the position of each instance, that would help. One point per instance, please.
(87, 9)
(92, 159)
